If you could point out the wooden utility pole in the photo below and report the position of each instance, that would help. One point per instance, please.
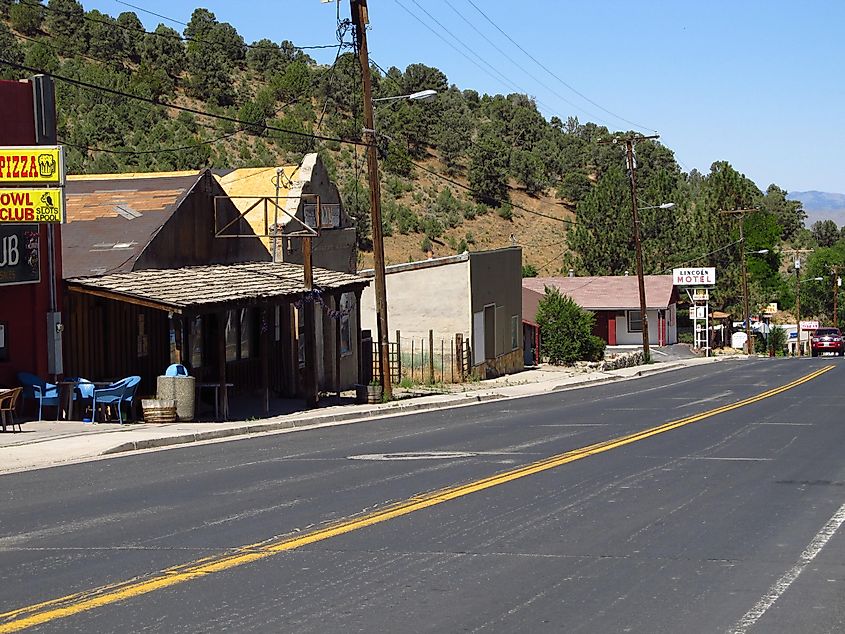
(741, 213)
(834, 274)
(360, 20)
(632, 171)
(797, 253)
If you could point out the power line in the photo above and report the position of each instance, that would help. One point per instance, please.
(501, 77)
(550, 72)
(522, 68)
(195, 111)
(181, 38)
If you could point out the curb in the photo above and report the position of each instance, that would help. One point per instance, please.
(389, 410)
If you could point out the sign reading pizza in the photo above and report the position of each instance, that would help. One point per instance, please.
(702, 276)
(39, 164)
(31, 205)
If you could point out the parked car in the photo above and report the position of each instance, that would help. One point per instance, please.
(826, 340)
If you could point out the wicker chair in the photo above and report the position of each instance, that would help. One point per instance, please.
(8, 405)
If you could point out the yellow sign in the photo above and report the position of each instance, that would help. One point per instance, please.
(31, 205)
(32, 164)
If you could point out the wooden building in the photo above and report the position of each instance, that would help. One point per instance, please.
(149, 282)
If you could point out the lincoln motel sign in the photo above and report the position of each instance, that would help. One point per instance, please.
(38, 167)
(703, 276)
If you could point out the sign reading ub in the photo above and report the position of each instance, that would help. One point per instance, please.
(703, 276)
(20, 259)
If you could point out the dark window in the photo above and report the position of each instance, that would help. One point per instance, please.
(635, 324)
(4, 341)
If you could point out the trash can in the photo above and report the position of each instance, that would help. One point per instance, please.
(181, 389)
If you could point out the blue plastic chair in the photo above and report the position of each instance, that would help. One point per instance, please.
(177, 369)
(83, 392)
(36, 388)
(117, 394)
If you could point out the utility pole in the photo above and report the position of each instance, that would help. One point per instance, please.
(360, 19)
(797, 253)
(834, 274)
(741, 213)
(632, 171)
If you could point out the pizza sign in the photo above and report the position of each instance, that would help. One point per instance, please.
(32, 165)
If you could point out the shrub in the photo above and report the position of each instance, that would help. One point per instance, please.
(566, 330)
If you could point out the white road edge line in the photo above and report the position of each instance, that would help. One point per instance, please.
(782, 585)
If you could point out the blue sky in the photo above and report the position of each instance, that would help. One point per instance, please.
(757, 83)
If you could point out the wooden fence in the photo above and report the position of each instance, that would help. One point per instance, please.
(416, 360)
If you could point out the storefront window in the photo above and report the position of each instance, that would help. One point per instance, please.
(246, 333)
(196, 342)
(347, 302)
(231, 335)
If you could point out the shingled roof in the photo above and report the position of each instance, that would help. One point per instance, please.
(112, 217)
(610, 292)
(214, 286)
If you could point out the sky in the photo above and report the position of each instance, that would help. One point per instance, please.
(757, 83)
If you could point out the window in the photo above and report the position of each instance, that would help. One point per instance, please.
(347, 301)
(514, 332)
(239, 334)
(231, 336)
(247, 329)
(4, 344)
(195, 338)
(635, 324)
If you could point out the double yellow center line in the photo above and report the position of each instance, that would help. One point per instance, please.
(70, 605)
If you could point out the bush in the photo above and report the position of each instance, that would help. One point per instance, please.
(777, 340)
(566, 330)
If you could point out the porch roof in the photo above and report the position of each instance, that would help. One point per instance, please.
(217, 286)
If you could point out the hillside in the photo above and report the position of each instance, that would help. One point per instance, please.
(462, 171)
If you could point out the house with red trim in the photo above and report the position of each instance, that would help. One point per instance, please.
(615, 301)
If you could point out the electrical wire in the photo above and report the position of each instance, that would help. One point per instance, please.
(502, 79)
(703, 255)
(181, 38)
(522, 68)
(553, 74)
(195, 111)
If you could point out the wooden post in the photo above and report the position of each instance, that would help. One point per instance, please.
(358, 337)
(398, 357)
(431, 356)
(264, 352)
(221, 363)
(459, 354)
(337, 321)
(311, 387)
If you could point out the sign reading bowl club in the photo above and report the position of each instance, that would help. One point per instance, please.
(705, 276)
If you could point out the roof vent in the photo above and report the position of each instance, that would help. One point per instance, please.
(127, 212)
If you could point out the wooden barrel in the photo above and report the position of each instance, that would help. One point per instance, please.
(159, 411)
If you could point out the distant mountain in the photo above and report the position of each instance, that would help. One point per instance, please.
(821, 206)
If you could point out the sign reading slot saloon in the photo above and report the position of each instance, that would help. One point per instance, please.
(18, 204)
(20, 260)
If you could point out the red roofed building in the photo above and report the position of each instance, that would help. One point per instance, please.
(615, 300)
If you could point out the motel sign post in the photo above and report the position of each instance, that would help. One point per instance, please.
(697, 282)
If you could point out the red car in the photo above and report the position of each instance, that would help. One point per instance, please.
(826, 340)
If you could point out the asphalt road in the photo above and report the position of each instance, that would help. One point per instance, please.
(728, 521)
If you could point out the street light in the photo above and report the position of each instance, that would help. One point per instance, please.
(798, 298)
(640, 276)
(421, 95)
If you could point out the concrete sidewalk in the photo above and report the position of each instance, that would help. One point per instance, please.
(47, 443)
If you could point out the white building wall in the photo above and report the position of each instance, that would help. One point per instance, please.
(421, 299)
(625, 338)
